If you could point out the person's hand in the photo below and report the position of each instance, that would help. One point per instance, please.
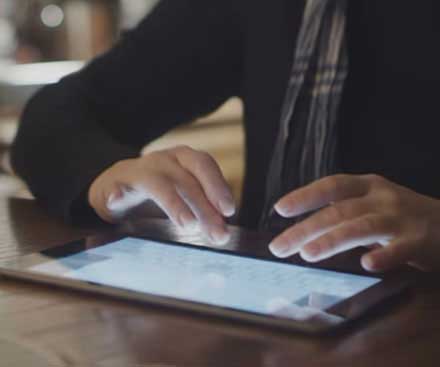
(362, 211)
(186, 184)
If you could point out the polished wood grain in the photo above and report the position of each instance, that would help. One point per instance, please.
(67, 328)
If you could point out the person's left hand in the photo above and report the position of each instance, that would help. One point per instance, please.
(362, 211)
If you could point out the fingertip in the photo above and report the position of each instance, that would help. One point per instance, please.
(113, 202)
(306, 255)
(282, 209)
(220, 238)
(368, 263)
(125, 199)
(371, 263)
(114, 196)
(274, 251)
(188, 222)
(279, 250)
(227, 208)
(111, 199)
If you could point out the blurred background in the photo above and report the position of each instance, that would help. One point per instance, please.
(53, 30)
(43, 40)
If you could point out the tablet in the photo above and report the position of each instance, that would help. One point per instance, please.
(221, 283)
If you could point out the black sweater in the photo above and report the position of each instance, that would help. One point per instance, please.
(189, 56)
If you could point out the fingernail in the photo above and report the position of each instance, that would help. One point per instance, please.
(279, 248)
(309, 255)
(227, 207)
(282, 210)
(220, 237)
(368, 263)
(111, 199)
(188, 223)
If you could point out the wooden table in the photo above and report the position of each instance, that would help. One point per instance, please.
(54, 327)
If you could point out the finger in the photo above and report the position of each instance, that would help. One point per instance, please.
(388, 257)
(321, 193)
(100, 200)
(211, 222)
(124, 198)
(168, 199)
(294, 238)
(362, 231)
(206, 170)
(163, 193)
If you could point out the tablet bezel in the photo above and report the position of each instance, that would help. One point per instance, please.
(347, 310)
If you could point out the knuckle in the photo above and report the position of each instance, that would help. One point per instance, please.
(182, 150)
(367, 225)
(393, 199)
(204, 162)
(376, 179)
(152, 156)
(337, 213)
(334, 184)
(205, 158)
(331, 183)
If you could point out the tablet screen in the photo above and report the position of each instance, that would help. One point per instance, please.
(208, 277)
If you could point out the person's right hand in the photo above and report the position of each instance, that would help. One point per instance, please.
(186, 184)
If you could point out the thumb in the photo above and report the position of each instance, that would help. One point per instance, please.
(122, 199)
(389, 257)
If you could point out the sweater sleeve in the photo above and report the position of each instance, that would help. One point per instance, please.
(181, 62)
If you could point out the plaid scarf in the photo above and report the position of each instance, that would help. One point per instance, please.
(306, 146)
